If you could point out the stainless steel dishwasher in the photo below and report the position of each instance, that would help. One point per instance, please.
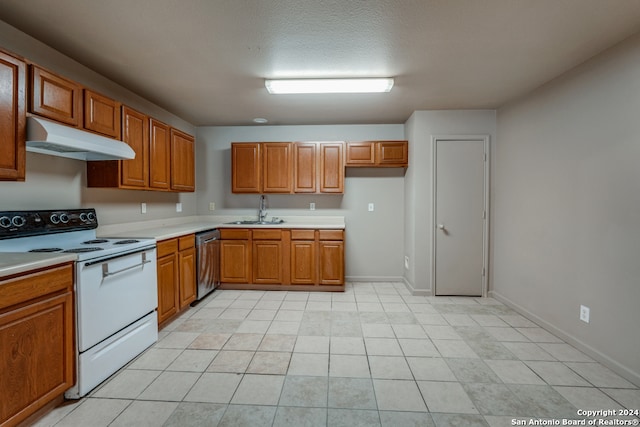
(208, 262)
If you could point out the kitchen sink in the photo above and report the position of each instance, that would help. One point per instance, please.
(256, 222)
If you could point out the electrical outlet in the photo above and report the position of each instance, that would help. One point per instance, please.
(143, 208)
(584, 313)
(178, 207)
(406, 262)
(312, 206)
(212, 206)
(371, 207)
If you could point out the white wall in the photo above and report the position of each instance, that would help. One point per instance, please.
(374, 240)
(420, 127)
(567, 206)
(55, 182)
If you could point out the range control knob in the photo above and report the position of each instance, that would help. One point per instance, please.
(83, 217)
(64, 218)
(55, 219)
(91, 216)
(18, 221)
(5, 222)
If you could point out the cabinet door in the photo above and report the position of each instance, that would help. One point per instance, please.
(360, 154)
(55, 97)
(101, 114)
(187, 263)
(235, 261)
(392, 153)
(159, 152)
(303, 262)
(245, 168)
(135, 172)
(12, 118)
(276, 167)
(304, 168)
(267, 261)
(37, 350)
(183, 170)
(167, 287)
(331, 262)
(331, 167)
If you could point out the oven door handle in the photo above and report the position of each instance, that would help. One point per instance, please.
(107, 273)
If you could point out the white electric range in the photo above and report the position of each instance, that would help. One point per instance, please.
(115, 283)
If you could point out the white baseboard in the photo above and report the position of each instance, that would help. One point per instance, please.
(373, 278)
(607, 361)
(416, 292)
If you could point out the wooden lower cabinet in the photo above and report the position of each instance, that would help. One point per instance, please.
(268, 257)
(303, 259)
(304, 266)
(235, 256)
(37, 341)
(176, 261)
(331, 262)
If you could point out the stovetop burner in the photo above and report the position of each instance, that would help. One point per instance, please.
(68, 231)
(126, 242)
(81, 250)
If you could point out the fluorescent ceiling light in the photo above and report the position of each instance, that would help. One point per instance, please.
(368, 85)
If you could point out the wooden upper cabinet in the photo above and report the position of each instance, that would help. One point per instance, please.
(377, 154)
(12, 118)
(285, 167)
(360, 154)
(276, 166)
(55, 97)
(331, 167)
(183, 172)
(305, 162)
(101, 114)
(135, 132)
(246, 168)
(392, 153)
(159, 155)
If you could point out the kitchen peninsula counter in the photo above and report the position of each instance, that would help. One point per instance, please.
(171, 228)
(12, 263)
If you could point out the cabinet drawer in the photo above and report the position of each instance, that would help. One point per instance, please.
(303, 234)
(270, 234)
(331, 234)
(34, 285)
(166, 247)
(186, 242)
(235, 234)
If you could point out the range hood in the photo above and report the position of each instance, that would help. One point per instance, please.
(47, 137)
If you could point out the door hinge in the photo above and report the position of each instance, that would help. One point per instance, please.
(485, 157)
(484, 214)
(483, 272)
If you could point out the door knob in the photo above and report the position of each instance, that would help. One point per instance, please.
(441, 226)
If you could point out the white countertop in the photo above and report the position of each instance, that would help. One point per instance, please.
(15, 263)
(170, 228)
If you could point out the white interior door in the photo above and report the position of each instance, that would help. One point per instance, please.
(460, 216)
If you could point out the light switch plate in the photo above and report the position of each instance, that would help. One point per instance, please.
(312, 206)
(143, 208)
(178, 207)
(371, 207)
(212, 206)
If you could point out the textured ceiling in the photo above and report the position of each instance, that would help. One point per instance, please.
(206, 60)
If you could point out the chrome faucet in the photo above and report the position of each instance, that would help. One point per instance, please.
(262, 214)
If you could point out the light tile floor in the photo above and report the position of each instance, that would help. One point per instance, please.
(371, 356)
